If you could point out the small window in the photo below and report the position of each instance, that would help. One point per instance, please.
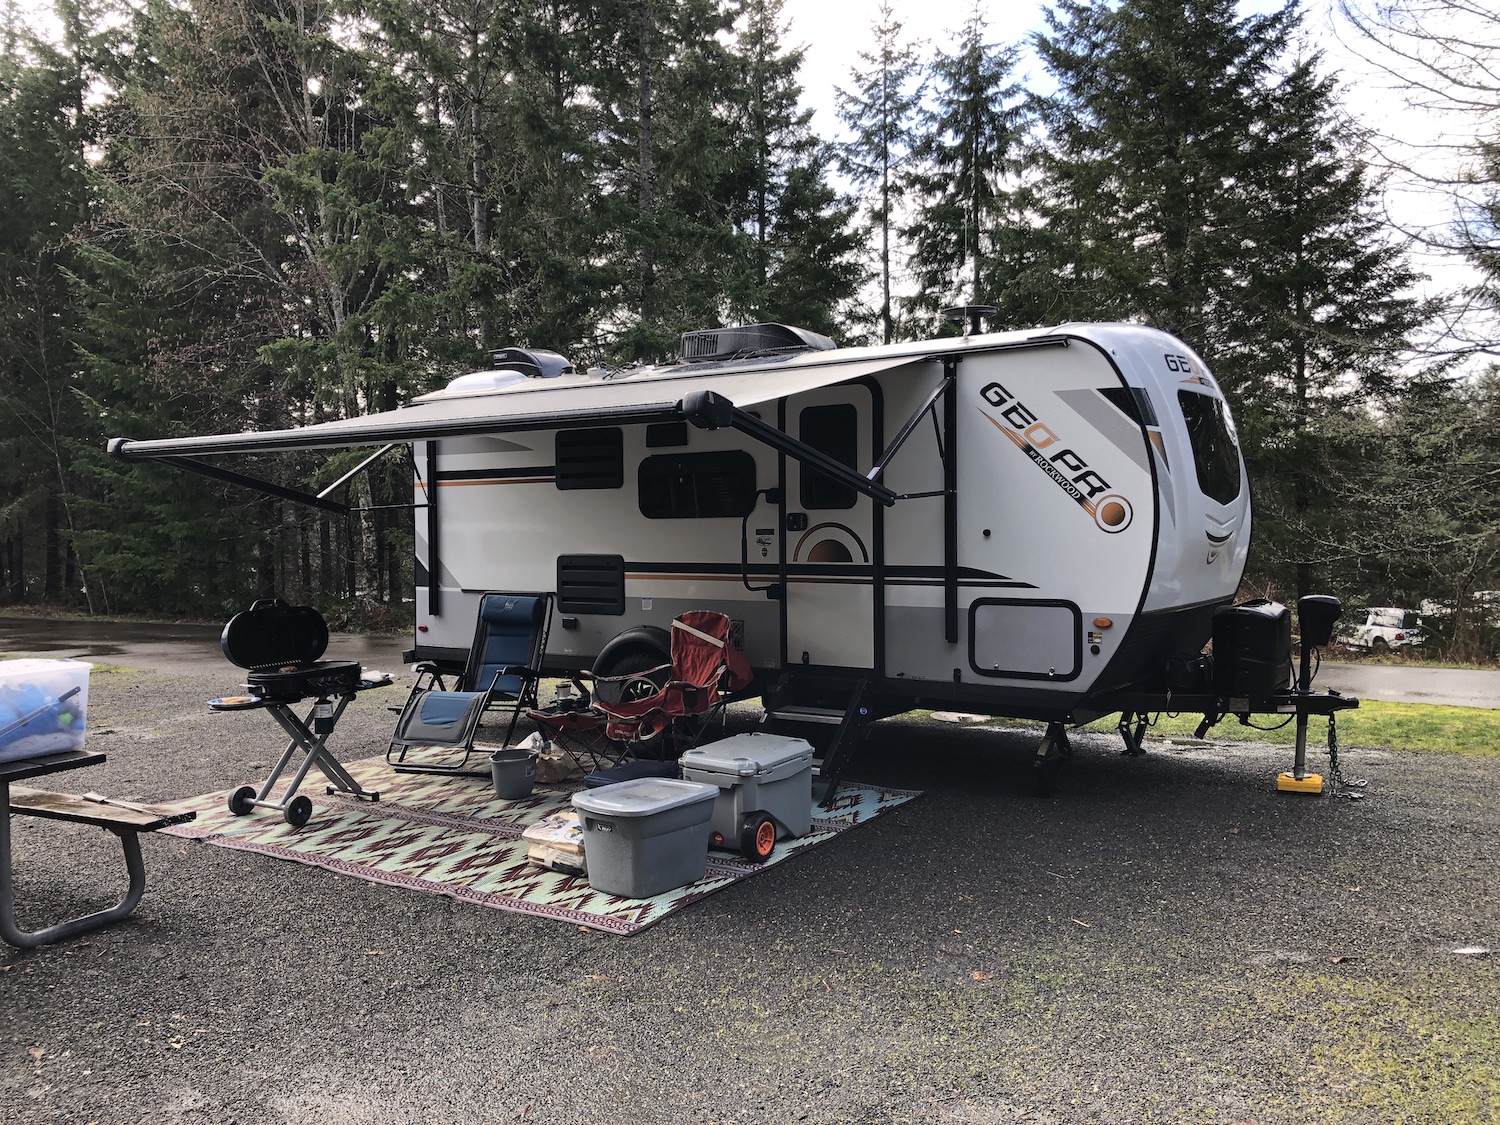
(590, 458)
(833, 430)
(695, 486)
(1216, 453)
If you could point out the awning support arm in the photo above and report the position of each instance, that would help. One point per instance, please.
(279, 491)
(710, 411)
(361, 467)
(911, 424)
(950, 499)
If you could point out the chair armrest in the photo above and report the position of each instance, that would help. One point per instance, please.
(435, 673)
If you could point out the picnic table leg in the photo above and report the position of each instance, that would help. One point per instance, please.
(23, 939)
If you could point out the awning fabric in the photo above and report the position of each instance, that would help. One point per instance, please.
(536, 404)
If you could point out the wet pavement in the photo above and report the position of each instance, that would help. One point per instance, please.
(167, 648)
(1401, 683)
(177, 648)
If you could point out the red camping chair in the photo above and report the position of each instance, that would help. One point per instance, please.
(705, 671)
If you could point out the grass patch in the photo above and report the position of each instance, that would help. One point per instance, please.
(1471, 731)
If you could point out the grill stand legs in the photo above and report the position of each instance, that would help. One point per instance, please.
(308, 735)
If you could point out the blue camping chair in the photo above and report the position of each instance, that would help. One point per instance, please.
(503, 669)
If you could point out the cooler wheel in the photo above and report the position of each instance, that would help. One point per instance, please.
(757, 837)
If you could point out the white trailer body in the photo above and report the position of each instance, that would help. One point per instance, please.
(1085, 539)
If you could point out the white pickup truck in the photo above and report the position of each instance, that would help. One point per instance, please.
(1385, 628)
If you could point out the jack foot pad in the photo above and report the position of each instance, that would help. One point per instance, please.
(1291, 783)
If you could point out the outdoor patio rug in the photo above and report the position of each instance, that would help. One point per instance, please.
(452, 836)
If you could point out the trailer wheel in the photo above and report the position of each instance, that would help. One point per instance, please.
(757, 837)
(641, 672)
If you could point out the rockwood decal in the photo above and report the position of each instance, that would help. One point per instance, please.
(1070, 472)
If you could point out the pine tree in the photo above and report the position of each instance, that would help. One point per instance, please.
(799, 266)
(47, 125)
(1199, 181)
(968, 147)
(879, 111)
(666, 156)
(1314, 316)
(1147, 132)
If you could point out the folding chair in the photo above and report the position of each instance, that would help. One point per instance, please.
(706, 670)
(503, 668)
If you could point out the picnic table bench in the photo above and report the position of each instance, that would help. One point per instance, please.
(124, 819)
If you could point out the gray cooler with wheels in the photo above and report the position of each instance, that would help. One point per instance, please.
(755, 773)
(645, 837)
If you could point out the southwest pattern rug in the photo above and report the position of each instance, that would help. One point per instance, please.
(452, 836)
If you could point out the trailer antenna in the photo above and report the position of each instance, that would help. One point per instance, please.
(970, 316)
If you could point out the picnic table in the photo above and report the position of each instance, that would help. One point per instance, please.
(124, 819)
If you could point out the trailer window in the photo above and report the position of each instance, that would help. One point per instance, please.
(1216, 453)
(833, 430)
(591, 458)
(688, 486)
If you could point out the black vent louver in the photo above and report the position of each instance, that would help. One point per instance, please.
(590, 458)
(750, 340)
(591, 584)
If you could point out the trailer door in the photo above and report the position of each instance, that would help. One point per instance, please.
(829, 545)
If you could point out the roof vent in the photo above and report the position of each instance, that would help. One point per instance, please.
(750, 340)
(534, 363)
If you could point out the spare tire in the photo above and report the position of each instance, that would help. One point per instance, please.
(639, 669)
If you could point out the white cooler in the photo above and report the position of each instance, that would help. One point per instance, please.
(755, 773)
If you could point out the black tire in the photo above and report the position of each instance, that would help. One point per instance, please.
(299, 812)
(757, 837)
(1379, 646)
(631, 661)
(240, 800)
(649, 669)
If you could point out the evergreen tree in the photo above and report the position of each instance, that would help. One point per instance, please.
(46, 128)
(1313, 318)
(879, 111)
(1147, 135)
(1196, 181)
(666, 158)
(969, 140)
(799, 266)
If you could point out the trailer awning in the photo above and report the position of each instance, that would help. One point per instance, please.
(536, 404)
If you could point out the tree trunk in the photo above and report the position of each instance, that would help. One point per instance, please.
(52, 575)
(647, 253)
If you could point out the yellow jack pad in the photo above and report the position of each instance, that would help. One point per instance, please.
(1289, 783)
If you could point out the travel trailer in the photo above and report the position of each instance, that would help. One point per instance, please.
(1044, 524)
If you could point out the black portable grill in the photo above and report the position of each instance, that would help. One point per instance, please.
(280, 645)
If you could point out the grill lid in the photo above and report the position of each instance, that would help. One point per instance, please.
(272, 634)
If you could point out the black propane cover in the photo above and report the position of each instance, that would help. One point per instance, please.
(1252, 650)
(272, 634)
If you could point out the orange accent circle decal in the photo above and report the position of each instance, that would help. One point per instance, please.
(1113, 513)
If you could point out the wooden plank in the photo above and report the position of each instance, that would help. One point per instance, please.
(72, 807)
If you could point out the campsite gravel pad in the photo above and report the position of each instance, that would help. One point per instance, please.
(452, 836)
(1167, 939)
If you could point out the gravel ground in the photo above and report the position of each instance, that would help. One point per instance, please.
(1166, 939)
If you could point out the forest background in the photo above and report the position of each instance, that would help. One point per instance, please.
(246, 214)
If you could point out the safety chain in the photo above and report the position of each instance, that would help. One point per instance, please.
(1339, 785)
